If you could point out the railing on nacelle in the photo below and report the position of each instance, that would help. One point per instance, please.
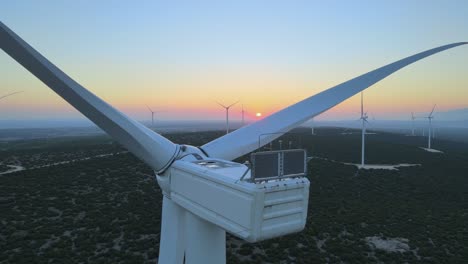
(278, 164)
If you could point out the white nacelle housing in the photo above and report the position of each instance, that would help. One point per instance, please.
(212, 190)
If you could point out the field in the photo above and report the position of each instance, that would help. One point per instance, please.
(87, 200)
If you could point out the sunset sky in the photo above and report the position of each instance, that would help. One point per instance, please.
(182, 56)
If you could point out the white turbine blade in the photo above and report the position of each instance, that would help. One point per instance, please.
(223, 106)
(10, 94)
(233, 104)
(155, 150)
(432, 110)
(149, 109)
(251, 137)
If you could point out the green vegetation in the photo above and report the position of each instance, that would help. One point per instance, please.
(104, 208)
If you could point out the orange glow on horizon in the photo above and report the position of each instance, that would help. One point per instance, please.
(193, 98)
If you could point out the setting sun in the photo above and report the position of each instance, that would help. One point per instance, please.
(258, 114)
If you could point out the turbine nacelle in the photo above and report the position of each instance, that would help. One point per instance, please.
(364, 117)
(224, 193)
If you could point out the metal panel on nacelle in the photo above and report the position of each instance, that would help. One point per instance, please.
(248, 210)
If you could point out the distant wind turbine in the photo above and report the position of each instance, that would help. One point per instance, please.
(313, 127)
(429, 136)
(364, 121)
(412, 123)
(10, 94)
(152, 115)
(243, 115)
(227, 114)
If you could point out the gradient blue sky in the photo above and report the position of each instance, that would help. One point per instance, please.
(179, 56)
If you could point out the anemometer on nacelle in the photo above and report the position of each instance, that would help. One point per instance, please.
(266, 199)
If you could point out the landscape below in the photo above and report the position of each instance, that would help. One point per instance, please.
(86, 199)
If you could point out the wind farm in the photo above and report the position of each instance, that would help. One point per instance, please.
(263, 191)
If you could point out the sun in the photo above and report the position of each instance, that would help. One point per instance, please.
(258, 114)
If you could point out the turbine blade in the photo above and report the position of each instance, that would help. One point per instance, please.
(155, 150)
(223, 106)
(10, 94)
(253, 136)
(432, 110)
(233, 104)
(149, 109)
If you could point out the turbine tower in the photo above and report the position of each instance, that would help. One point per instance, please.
(429, 136)
(10, 94)
(227, 114)
(205, 194)
(363, 118)
(313, 127)
(242, 116)
(412, 123)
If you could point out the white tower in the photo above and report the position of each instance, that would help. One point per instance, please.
(243, 122)
(363, 118)
(313, 127)
(412, 123)
(429, 134)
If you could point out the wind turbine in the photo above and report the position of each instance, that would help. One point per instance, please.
(227, 114)
(313, 127)
(242, 115)
(364, 118)
(429, 136)
(204, 194)
(10, 94)
(412, 123)
(152, 115)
